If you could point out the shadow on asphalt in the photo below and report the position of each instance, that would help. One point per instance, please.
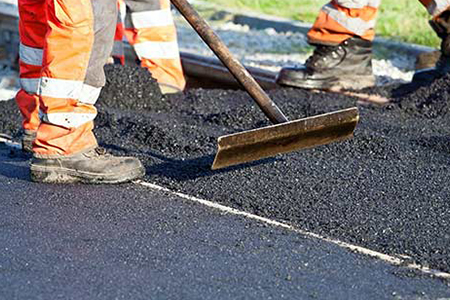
(14, 168)
(185, 169)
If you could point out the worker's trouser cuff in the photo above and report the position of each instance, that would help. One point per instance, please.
(50, 156)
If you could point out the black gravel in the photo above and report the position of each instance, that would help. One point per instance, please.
(386, 189)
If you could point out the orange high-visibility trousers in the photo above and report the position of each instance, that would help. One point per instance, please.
(342, 19)
(150, 29)
(64, 46)
(32, 30)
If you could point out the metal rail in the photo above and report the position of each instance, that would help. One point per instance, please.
(208, 72)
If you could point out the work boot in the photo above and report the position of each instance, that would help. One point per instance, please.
(26, 149)
(28, 138)
(93, 166)
(441, 25)
(345, 66)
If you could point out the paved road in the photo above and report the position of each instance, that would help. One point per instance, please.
(131, 242)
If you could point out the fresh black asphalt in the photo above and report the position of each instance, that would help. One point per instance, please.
(132, 242)
(386, 189)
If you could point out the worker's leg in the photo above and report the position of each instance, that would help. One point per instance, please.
(436, 7)
(340, 20)
(32, 28)
(77, 44)
(118, 52)
(151, 31)
(342, 34)
(440, 12)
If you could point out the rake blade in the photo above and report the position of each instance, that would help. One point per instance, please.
(286, 137)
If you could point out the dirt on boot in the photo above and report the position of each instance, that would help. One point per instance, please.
(93, 167)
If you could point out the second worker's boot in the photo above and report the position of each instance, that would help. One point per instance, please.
(92, 166)
(344, 66)
(441, 25)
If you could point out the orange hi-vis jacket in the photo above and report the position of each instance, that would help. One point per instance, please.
(149, 27)
(342, 19)
(64, 46)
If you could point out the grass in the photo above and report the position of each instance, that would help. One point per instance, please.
(401, 20)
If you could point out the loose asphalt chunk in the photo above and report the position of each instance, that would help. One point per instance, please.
(386, 189)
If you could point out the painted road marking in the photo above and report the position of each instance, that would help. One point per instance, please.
(400, 260)
(397, 261)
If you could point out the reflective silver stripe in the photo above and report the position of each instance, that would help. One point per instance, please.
(60, 88)
(67, 120)
(89, 94)
(30, 85)
(358, 3)
(122, 11)
(149, 19)
(437, 6)
(157, 50)
(118, 49)
(355, 25)
(30, 55)
(374, 3)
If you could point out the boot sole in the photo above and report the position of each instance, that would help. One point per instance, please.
(349, 82)
(61, 175)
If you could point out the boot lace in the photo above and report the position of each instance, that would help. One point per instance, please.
(100, 151)
(97, 152)
(321, 54)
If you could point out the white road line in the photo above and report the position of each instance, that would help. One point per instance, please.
(397, 261)
(8, 142)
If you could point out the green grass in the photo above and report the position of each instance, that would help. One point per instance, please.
(401, 20)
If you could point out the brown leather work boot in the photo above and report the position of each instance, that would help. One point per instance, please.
(93, 166)
(344, 66)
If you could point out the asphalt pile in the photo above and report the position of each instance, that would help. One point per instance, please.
(386, 189)
(429, 101)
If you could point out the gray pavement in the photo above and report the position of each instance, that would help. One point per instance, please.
(131, 242)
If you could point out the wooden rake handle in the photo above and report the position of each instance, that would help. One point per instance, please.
(269, 108)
